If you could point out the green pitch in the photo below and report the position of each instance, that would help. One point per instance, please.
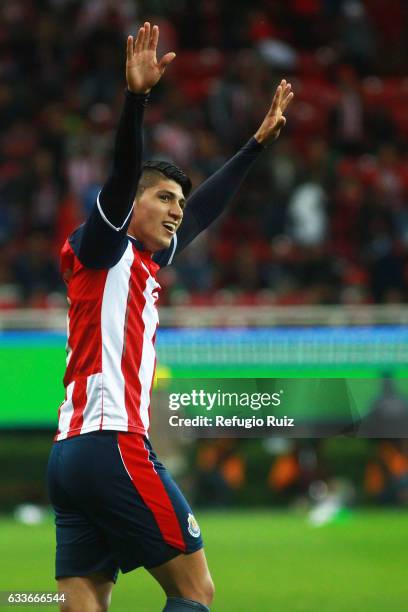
(261, 562)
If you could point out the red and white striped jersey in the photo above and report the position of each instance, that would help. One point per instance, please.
(112, 321)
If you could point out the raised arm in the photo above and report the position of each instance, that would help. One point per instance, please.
(211, 197)
(101, 241)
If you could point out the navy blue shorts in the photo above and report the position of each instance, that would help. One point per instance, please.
(116, 506)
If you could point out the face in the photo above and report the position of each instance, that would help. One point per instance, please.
(157, 214)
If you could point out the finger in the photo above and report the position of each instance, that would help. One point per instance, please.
(275, 102)
(286, 93)
(129, 48)
(166, 59)
(146, 39)
(287, 89)
(154, 38)
(279, 125)
(282, 86)
(138, 46)
(287, 101)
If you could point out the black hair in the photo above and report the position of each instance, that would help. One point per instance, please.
(171, 172)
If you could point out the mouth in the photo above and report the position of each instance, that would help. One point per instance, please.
(170, 227)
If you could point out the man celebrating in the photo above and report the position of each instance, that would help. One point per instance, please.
(116, 505)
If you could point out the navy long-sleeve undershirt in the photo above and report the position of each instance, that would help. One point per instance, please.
(102, 240)
(211, 198)
(118, 193)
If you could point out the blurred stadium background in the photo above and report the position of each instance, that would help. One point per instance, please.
(306, 276)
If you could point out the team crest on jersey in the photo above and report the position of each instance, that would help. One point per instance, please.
(193, 527)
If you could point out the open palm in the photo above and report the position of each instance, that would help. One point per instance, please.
(275, 119)
(143, 70)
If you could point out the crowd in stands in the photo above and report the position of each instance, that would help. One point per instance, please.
(323, 216)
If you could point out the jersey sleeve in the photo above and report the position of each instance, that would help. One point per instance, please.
(102, 240)
(210, 199)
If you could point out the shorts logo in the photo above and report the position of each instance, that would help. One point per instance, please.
(193, 527)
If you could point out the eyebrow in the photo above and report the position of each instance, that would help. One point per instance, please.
(173, 195)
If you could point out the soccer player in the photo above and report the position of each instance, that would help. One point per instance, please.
(116, 505)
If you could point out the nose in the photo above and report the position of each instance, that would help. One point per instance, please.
(176, 212)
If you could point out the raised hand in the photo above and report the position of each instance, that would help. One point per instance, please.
(143, 70)
(274, 121)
